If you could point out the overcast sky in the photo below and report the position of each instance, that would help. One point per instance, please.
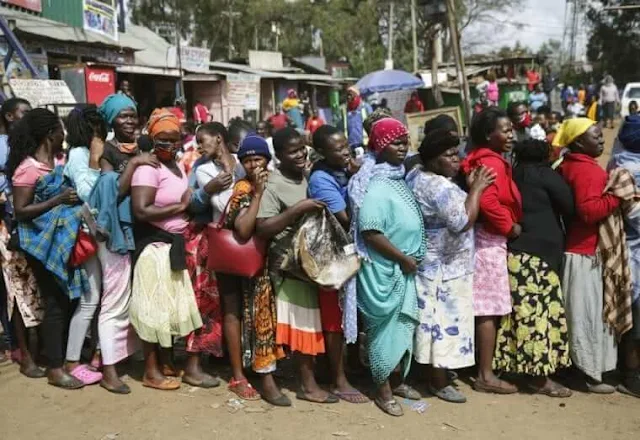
(533, 23)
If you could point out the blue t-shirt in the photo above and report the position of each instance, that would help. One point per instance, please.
(324, 187)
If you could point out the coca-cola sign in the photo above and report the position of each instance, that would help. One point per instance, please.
(102, 77)
(100, 83)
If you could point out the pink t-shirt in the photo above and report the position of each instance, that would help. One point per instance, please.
(28, 172)
(169, 190)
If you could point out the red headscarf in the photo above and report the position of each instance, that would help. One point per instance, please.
(384, 132)
(355, 102)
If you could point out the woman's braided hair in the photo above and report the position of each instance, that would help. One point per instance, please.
(28, 134)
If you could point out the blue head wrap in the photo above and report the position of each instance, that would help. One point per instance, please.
(114, 104)
(629, 134)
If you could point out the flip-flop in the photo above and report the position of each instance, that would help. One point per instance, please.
(86, 375)
(483, 387)
(300, 395)
(600, 388)
(167, 384)
(391, 407)
(171, 372)
(281, 400)
(33, 372)
(243, 389)
(207, 382)
(406, 392)
(68, 383)
(121, 389)
(354, 396)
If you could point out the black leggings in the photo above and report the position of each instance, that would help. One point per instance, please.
(56, 314)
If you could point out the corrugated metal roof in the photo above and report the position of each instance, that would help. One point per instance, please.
(43, 27)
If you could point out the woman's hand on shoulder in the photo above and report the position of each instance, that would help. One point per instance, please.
(146, 159)
(481, 178)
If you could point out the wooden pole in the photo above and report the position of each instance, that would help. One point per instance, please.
(435, 87)
(390, 35)
(457, 53)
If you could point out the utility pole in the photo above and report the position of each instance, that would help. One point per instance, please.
(462, 75)
(414, 35)
(230, 14)
(178, 51)
(436, 58)
(389, 63)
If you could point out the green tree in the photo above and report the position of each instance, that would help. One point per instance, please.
(614, 41)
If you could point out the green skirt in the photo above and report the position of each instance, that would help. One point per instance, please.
(533, 339)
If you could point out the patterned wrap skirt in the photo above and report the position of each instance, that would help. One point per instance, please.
(491, 292)
(534, 338)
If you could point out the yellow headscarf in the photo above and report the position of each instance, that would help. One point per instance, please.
(570, 130)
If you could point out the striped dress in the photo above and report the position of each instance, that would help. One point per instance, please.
(299, 325)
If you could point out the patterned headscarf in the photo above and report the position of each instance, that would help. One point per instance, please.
(114, 104)
(162, 120)
(384, 132)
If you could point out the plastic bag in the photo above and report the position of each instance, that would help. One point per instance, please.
(321, 251)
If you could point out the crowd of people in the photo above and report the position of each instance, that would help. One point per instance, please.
(497, 260)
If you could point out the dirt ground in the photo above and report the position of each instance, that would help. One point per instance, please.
(30, 409)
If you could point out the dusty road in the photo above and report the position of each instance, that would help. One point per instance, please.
(32, 410)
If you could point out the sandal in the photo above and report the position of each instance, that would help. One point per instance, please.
(281, 400)
(207, 381)
(68, 383)
(406, 392)
(300, 395)
(448, 394)
(169, 371)
(483, 387)
(167, 384)
(600, 388)
(555, 390)
(354, 396)
(391, 407)
(33, 372)
(243, 389)
(122, 389)
(86, 375)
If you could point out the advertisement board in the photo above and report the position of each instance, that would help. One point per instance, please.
(101, 16)
(194, 59)
(41, 92)
(101, 82)
(32, 5)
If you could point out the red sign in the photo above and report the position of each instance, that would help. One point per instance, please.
(32, 5)
(100, 82)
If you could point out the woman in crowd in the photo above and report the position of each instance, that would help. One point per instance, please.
(238, 129)
(118, 160)
(386, 220)
(629, 159)
(20, 296)
(217, 171)
(533, 339)
(593, 346)
(328, 184)
(520, 117)
(34, 142)
(163, 304)
(86, 133)
(445, 337)
(284, 202)
(250, 304)
(500, 214)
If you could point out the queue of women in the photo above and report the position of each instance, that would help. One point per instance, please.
(523, 270)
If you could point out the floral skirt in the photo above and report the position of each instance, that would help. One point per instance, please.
(207, 339)
(22, 290)
(162, 301)
(533, 339)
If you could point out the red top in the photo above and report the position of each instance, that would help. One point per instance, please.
(501, 203)
(177, 111)
(533, 78)
(200, 114)
(314, 123)
(414, 106)
(587, 180)
(278, 122)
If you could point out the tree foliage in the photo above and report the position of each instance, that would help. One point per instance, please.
(614, 43)
(355, 30)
